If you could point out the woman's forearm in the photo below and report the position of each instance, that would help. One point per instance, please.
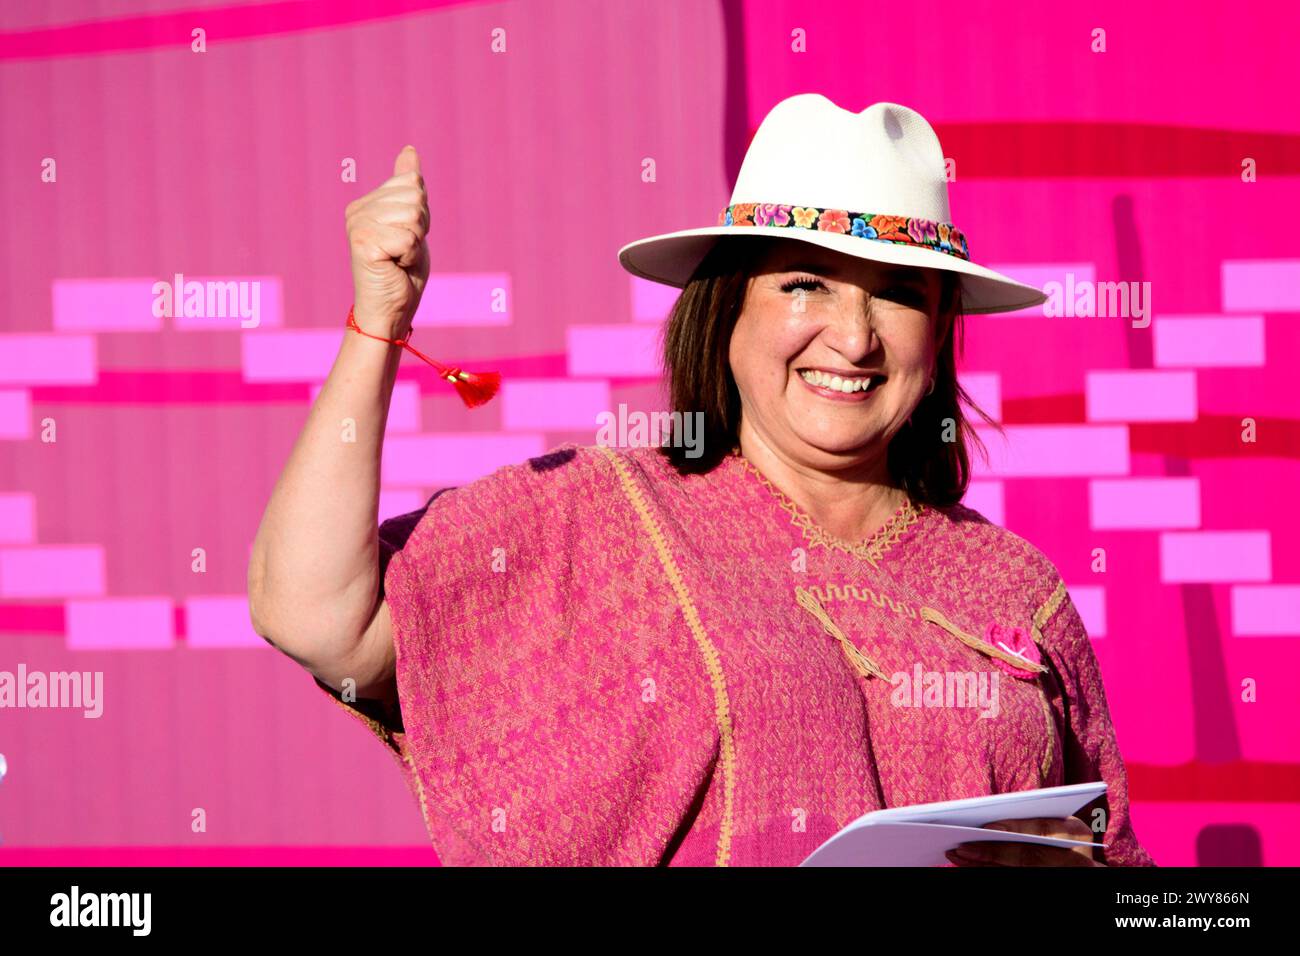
(313, 577)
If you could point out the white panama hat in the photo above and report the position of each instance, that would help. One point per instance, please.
(869, 184)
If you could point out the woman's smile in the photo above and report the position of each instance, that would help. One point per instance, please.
(851, 387)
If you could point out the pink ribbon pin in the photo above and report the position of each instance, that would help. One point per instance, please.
(1017, 641)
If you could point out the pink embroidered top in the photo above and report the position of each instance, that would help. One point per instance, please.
(601, 661)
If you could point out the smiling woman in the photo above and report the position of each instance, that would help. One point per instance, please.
(643, 656)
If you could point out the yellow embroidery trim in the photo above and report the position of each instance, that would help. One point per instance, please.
(1051, 732)
(971, 641)
(1044, 613)
(1041, 617)
(712, 661)
(871, 550)
(843, 592)
(861, 663)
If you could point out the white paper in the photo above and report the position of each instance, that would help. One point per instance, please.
(920, 834)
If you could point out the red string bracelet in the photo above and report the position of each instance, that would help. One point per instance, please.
(474, 388)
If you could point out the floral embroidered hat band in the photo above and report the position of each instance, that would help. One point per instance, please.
(872, 185)
(925, 233)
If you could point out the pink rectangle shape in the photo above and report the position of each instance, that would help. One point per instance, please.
(985, 389)
(1266, 610)
(1039, 275)
(652, 301)
(48, 360)
(289, 356)
(1051, 451)
(15, 414)
(553, 404)
(1144, 503)
(220, 621)
(1140, 396)
(1175, 833)
(1090, 602)
(399, 501)
(17, 518)
(1209, 341)
(403, 410)
(1261, 285)
(120, 624)
(453, 458)
(465, 299)
(1209, 556)
(989, 499)
(261, 297)
(52, 571)
(615, 350)
(104, 305)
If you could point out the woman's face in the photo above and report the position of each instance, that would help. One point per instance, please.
(831, 353)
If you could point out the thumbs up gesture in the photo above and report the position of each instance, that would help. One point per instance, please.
(390, 257)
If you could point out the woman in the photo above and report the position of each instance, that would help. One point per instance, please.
(636, 656)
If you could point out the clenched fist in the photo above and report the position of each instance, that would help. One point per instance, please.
(390, 258)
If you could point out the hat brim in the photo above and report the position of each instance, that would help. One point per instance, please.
(671, 259)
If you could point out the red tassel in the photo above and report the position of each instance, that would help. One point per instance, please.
(474, 388)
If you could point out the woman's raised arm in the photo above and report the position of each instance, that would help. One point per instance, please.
(313, 576)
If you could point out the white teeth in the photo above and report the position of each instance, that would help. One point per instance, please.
(835, 383)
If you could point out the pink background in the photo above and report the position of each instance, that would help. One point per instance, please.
(1116, 166)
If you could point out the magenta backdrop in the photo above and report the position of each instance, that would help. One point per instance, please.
(128, 441)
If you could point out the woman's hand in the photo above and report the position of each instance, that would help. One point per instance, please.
(390, 258)
(993, 853)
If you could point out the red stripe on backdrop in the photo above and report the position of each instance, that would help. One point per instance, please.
(1236, 781)
(32, 619)
(1073, 149)
(171, 386)
(231, 23)
(1029, 150)
(1044, 410)
(1218, 436)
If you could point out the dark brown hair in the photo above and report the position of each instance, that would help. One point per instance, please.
(696, 346)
